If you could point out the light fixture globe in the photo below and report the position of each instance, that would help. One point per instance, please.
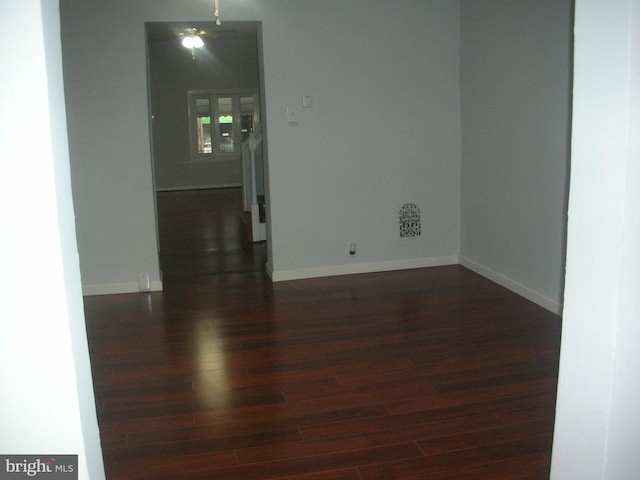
(192, 41)
(197, 42)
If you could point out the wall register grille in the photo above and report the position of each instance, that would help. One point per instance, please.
(410, 225)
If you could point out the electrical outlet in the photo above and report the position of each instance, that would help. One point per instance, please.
(143, 282)
(352, 248)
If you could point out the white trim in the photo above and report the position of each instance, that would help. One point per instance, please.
(530, 294)
(314, 272)
(198, 187)
(116, 288)
(269, 271)
(229, 157)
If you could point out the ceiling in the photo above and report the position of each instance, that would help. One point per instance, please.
(168, 31)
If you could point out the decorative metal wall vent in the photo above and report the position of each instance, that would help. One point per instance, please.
(410, 225)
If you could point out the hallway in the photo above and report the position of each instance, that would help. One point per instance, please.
(200, 235)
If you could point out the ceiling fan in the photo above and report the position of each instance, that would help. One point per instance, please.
(192, 39)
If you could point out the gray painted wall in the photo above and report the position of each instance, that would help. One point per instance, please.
(222, 64)
(384, 130)
(515, 83)
(387, 127)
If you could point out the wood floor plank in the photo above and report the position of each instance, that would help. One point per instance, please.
(475, 457)
(429, 413)
(188, 465)
(128, 408)
(126, 427)
(403, 434)
(310, 464)
(543, 391)
(287, 415)
(489, 436)
(528, 467)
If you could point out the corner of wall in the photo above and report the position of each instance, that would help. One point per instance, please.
(530, 294)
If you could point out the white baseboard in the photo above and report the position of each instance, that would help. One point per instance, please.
(516, 287)
(198, 187)
(355, 268)
(269, 271)
(116, 288)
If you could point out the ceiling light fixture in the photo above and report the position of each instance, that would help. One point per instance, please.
(192, 40)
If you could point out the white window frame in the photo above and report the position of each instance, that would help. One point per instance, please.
(213, 95)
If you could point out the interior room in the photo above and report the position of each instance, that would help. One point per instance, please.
(443, 155)
(503, 127)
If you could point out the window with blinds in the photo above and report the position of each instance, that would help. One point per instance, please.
(219, 123)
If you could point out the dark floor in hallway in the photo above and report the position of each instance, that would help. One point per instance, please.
(200, 234)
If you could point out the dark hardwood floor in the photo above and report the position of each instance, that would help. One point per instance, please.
(201, 233)
(422, 374)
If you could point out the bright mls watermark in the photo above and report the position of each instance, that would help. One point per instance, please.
(51, 467)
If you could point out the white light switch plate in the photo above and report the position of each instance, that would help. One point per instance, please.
(292, 115)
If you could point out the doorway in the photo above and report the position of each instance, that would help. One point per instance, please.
(200, 214)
